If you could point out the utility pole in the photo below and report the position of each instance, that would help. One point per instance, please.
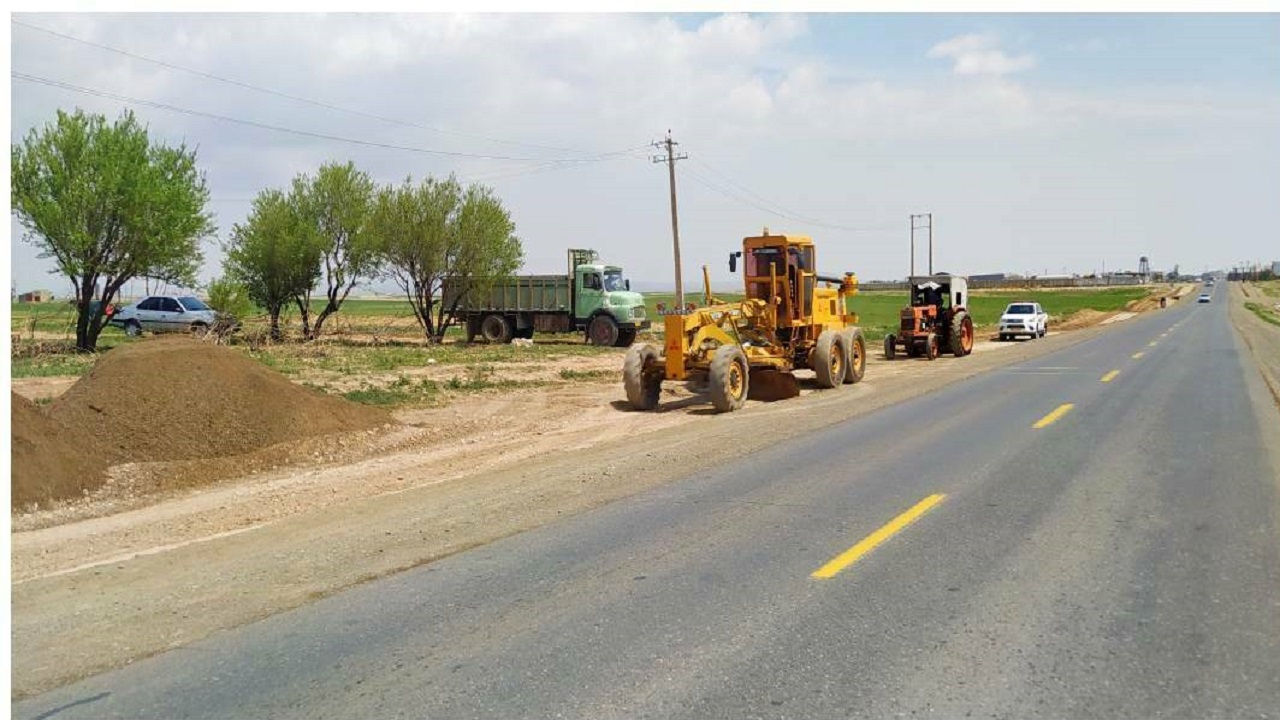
(670, 160)
(927, 225)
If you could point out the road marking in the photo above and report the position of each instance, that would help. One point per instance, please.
(1054, 416)
(1138, 355)
(1110, 376)
(869, 543)
(1153, 343)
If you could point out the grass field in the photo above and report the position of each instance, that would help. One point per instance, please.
(878, 313)
(878, 310)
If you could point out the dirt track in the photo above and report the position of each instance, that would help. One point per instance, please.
(100, 592)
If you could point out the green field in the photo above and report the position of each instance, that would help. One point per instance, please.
(878, 315)
(878, 310)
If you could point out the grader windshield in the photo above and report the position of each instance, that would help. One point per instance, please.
(791, 267)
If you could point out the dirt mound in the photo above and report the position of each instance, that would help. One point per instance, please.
(49, 460)
(179, 399)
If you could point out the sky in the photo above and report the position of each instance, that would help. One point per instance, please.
(1044, 143)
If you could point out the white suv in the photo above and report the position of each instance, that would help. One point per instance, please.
(1023, 318)
(165, 313)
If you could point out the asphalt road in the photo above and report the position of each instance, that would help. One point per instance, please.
(1122, 559)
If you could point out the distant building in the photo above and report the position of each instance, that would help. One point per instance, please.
(36, 296)
(988, 277)
(1275, 267)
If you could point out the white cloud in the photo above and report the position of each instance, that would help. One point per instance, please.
(753, 95)
(978, 55)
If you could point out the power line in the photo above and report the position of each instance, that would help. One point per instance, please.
(730, 193)
(288, 96)
(293, 131)
(749, 197)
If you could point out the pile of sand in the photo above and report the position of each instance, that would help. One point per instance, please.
(176, 399)
(49, 460)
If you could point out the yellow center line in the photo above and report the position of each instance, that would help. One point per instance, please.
(1054, 416)
(1110, 376)
(869, 543)
(1138, 355)
(1153, 343)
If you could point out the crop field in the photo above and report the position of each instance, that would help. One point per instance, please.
(371, 336)
(878, 310)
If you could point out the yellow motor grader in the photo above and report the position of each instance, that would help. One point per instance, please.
(785, 322)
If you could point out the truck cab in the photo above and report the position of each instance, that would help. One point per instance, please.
(604, 305)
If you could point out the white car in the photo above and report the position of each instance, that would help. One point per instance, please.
(1023, 318)
(1205, 297)
(165, 313)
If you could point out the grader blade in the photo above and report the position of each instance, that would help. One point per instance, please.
(770, 385)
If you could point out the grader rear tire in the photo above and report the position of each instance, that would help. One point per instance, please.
(830, 360)
(856, 352)
(643, 386)
(729, 378)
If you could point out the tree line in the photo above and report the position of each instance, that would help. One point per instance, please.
(108, 204)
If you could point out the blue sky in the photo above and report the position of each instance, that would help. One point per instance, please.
(1040, 142)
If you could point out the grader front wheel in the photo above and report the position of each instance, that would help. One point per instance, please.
(729, 378)
(642, 383)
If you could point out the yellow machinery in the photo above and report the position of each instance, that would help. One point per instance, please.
(786, 321)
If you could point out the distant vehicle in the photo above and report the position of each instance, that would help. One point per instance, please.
(165, 313)
(1023, 318)
(591, 296)
(1205, 297)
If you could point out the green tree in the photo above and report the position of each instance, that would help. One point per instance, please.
(435, 233)
(108, 205)
(275, 257)
(229, 297)
(333, 207)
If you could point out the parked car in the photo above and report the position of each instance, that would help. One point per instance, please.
(165, 313)
(1023, 318)
(1205, 297)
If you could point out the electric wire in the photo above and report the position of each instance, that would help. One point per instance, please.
(294, 131)
(290, 96)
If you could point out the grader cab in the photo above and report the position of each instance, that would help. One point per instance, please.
(786, 321)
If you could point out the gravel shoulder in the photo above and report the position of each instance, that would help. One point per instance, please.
(102, 592)
(1262, 338)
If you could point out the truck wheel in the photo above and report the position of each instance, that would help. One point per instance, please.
(602, 331)
(729, 378)
(890, 347)
(829, 360)
(132, 328)
(961, 334)
(625, 338)
(931, 346)
(496, 329)
(856, 352)
(639, 377)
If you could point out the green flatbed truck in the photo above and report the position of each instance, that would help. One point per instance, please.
(592, 297)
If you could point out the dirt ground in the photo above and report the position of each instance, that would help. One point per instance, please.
(1262, 338)
(121, 575)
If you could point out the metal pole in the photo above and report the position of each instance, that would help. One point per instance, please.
(930, 216)
(912, 220)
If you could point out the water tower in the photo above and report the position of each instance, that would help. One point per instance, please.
(1144, 268)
